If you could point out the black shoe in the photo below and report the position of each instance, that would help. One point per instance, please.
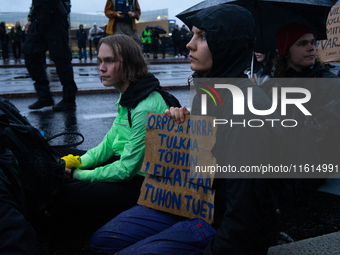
(64, 106)
(41, 103)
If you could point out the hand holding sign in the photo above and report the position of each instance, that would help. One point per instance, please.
(172, 151)
(177, 114)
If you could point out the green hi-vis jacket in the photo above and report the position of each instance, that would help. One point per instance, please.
(127, 142)
(146, 37)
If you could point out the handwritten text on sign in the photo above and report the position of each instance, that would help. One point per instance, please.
(329, 50)
(172, 151)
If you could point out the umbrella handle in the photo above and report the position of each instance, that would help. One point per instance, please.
(252, 66)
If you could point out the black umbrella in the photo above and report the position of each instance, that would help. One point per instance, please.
(159, 29)
(269, 15)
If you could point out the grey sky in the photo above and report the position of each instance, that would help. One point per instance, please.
(93, 6)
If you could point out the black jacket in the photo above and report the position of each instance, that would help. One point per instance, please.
(4, 37)
(316, 139)
(176, 36)
(138, 91)
(244, 212)
(49, 29)
(81, 36)
(184, 35)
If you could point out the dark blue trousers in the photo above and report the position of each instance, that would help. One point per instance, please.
(142, 230)
(82, 50)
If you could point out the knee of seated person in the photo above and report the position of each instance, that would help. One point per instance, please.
(102, 243)
(97, 242)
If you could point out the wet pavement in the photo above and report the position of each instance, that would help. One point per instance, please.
(93, 116)
(316, 223)
(95, 103)
(16, 82)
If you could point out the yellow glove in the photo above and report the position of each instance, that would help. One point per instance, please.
(72, 162)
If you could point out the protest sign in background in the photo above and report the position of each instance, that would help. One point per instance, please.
(171, 153)
(329, 50)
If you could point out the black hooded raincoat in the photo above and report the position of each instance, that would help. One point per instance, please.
(244, 212)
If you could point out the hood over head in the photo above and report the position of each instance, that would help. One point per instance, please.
(230, 34)
(138, 91)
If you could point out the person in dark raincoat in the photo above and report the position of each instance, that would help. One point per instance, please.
(16, 234)
(244, 212)
(184, 39)
(82, 38)
(176, 40)
(316, 138)
(47, 29)
(154, 42)
(4, 39)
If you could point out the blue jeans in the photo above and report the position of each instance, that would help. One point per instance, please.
(142, 230)
(82, 50)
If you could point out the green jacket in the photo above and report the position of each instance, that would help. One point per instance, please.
(146, 37)
(127, 142)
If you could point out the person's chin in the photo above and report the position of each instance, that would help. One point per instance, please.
(107, 84)
(310, 60)
(311, 63)
(194, 67)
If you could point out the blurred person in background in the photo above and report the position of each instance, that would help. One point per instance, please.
(176, 39)
(122, 16)
(4, 38)
(146, 38)
(96, 33)
(82, 37)
(16, 37)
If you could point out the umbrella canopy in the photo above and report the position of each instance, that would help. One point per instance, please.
(269, 15)
(159, 29)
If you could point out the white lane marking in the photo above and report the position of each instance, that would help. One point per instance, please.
(100, 116)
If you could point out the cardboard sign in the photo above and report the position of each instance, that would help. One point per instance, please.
(172, 152)
(329, 50)
(193, 201)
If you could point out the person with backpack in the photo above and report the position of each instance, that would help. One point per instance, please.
(244, 212)
(107, 179)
